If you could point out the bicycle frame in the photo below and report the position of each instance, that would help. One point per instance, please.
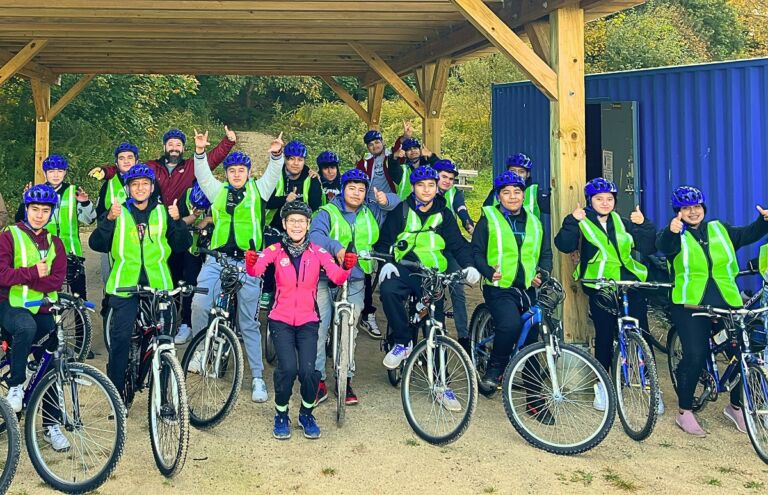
(341, 306)
(627, 324)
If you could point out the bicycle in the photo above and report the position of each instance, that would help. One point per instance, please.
(634, 373)
(78, 329)
(746, 363)
(439, 386)
(548, 387)
(152, 363)
(76, 398)
(213, 360)
(342, 338)
(10, 444)
(174, 313)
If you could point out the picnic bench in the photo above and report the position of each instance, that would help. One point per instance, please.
(465, 179)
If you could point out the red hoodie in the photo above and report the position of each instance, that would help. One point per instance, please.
(296, 298)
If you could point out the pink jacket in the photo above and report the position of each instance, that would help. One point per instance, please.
(296, 300)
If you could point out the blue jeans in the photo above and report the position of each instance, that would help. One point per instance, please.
(459, 300)
(247, 309)
(325, 298)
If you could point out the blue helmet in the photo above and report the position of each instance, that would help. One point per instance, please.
(55, 162)
(126, 146)
(372, 135)
(41, 194)
(519, 160)
(327, 159)
(445, 165)
(597, 186)
(138, 171)
(237, 158)
(423, 173)
(197, 198)
(410, 143)
(354, 175)
(295, 148)
(175, 134)
(508, 178)
(687, 196)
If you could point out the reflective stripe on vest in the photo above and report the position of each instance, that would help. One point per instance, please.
(25, 255)
(530, 200)
(115, 192)
(692, 269)
(607, 263)
(503, 251)
(404, 188)
(247, 218)
(450, 195)
(63, 222)
(366, 231)
(763, 262)
(280, 191)
(131, 254)
(423, 240)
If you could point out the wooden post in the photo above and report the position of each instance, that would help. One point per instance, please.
(434, 80)
(568, 151)
(41, 93)
(375, 99)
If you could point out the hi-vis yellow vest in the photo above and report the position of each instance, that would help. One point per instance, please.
(25, 255)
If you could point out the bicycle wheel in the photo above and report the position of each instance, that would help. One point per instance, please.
(562, 422)
(754, 396)
(10, 444)
(341, 366)
(439, 407)
(107, 326)
(78, 331)
(270, 353)
(93, 422)
(213, 381)
(637, 397)
(658, 327)
(169, 416)
(481, 336)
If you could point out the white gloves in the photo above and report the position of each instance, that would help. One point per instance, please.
(389, 269)
(471, 275)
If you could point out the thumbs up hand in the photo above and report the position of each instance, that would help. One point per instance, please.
(381, 197)
(173, 210)
(762, 212)
(579, 214)
(636, 216)
(291, 196)
(676, 225)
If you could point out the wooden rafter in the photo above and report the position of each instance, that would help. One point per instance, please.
(375, 99)
(538, 35)
(18, 61)
(346, 97)
(71, 93)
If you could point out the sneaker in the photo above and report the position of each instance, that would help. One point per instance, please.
(308, 423)
(282, 429)
(196, 363)
(397, 355)
(601, 398)
(737, 416)
(322, 392)
(491, 380)
(370, 326)
(351, 398)
(537, 409)
(465, 344)
(258, 390)
(56, 438)
(15, 397)
(265, 301)
(688, 423)
(448, 399)
(184, 334)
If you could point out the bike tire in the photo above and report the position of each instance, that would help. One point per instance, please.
(481, 329)
(270, 353)
(78, 345)
(341, 367)
(395, 376)
(201, 413)
(174, 414)
(658, 331)
(415, 365)
(520, 418)
(105, 330)
(754, 397)
(112, 409)
(11, 435)
(641, 427)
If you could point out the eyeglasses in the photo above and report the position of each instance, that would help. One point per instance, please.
(296, 221)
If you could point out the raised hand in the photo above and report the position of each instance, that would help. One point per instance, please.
(381, 197)
(636, 216)
(81, 195)
(425, 152)
(407, 128)
(27, 186)
(250, 262)
(291, 196)
(230, 134)
(173, 210)
(114, 211)
(400, 153)
(276, 148)
(763, 213)
(96, 173)
(201, 141)
(676, 225)
(579, 213)
(313, 174)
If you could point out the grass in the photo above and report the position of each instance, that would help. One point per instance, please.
(727, 470)
(713, 482)
(666, 444)
(329, 471)
(489, 489)
(583, 477)
(616, 481)
(754, 485)
(411, 442)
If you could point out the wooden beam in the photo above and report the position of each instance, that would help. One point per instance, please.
(568, 151)
(18, 61)
(41, 94)
(538, 35)
(75, 90)
(346, 97)
(31, 70)
(375, 99)
(424, 75)
(503, 38)
(434, 79)
(386, 72)
(438, 86)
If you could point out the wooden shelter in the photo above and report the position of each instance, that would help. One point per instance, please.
(376, 41)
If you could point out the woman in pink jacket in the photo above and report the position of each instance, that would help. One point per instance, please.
(293, 320)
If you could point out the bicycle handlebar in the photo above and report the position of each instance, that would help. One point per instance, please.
(713, 311)
(634, 284)
(141, 289)
(64, 301)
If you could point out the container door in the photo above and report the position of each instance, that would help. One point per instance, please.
(619, 152)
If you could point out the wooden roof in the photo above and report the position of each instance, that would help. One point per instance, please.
(288, 37)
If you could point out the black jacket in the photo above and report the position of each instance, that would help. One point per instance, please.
(396, 171)
(518, 223)
(394, 224)
(315, 200)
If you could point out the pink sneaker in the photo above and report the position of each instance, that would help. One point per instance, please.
(688, 423)
(737, 416)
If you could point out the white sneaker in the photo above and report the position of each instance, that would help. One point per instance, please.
(56, 438)
(601, 398)
(196, 363)
(15, 397)
(397, 355)
(259, 390)
(373, 327)
(448, 399)
(184, 334)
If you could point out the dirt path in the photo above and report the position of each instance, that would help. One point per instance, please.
(376, 452)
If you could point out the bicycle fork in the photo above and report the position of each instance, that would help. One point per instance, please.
(431, 346)
(157, 399)
(212, 335)
(626, 325)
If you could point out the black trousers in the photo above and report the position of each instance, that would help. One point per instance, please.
(124, 313)
(192, 266)
(296, 348)
(506, 307)
(370, 286)
(606, 325)
(394, 293)
(26, 329)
